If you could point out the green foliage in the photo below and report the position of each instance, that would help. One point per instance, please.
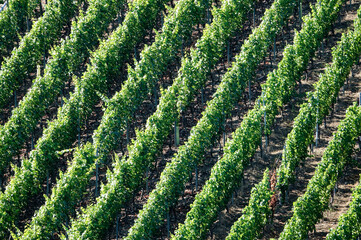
(66, 58)
(308, 209)
(349, 224)
(276, 91)
(105, 65)
(312, 215)
(27, 55)
(128, 173)
(143, 78)
(177, 26)
(255, 215)
(13, 21)
(326, 91)
(60, 204)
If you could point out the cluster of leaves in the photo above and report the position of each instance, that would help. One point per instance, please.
(69, 188)
(66, 59)
(349, 224)
(13, 21)
(52, 216)
(224, 175)
(308, 209)
(59, 135)
(143, 78)
(27, 55)
(317, 106)
(128, 172)
(277, 90)
(267, 210)
(256, 214)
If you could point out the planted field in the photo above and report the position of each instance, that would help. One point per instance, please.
(184, 119)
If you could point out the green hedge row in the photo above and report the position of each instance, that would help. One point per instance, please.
(70, 185)
(255, 214)
(24, 58)
(317, 106)
(277, 90)
(308, 209)
(128, 173)
(60, 134)
(66, 58)
(12, 21)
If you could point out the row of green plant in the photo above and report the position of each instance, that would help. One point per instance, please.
(264, 212)
(142, 80)
(128, 173)
(349, 224)
(308, 209)
(66, 59)
(70, 186)
(13, 20)
(25, 58)
(256, 214)
(104, 68)
(317, 107)
(277, 91)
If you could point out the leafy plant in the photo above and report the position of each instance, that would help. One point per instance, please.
(308, 209)
(12, 21)
(105, 65)
(177, 26)
(24, 58)
(317, 107)
(226, 173)
(349, 224)
(128, 172)
(66, 59)
(255, 215)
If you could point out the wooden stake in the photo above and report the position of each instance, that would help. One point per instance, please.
(249, 91)
(176, 134)
(196, 180)
(78, 131)
(96, 174)
(147, 181)
(127, 133)
(15, 100)
(47, 183)
(168, 222)
(265, 123)
(274, 50)
(117, 227)
(228, 54)
(202, 94)
(32, 141)
(96, 178)
(254, 15)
